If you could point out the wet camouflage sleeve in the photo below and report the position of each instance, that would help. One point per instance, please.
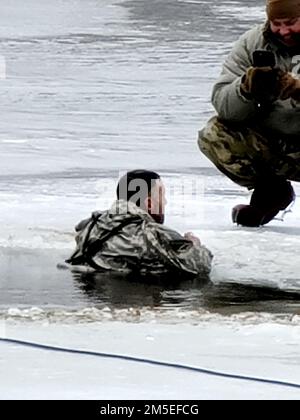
(176, 252)
(130, 240)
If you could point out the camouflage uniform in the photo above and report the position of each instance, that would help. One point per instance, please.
(126, 238)
(246, 156)
(247, 141)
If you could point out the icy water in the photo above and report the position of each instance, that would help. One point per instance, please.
(91, 88)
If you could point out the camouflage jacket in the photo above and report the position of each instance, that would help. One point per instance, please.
(283, 117)
(126, 238)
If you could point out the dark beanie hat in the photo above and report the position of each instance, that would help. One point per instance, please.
(283, 9)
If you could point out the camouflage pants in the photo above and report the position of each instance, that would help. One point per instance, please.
(245, 155)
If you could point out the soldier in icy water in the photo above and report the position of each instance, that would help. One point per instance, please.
(255, 139)
(130, 236)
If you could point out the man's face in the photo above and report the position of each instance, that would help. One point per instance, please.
(287, 31)
(157, 202)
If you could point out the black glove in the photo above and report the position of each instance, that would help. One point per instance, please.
(261, 84)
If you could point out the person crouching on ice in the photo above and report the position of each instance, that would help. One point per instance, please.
(255, 139)
(130, 236)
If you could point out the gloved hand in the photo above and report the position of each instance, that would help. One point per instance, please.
(266, 84)
(288, 86)
(261, 84)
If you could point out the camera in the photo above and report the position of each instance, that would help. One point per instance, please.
(263, 58)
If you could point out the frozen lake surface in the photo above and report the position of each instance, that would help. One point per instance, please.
(254, 270)
(91, 91)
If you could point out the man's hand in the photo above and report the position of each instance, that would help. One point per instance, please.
(191, 237)
(265, 84)
(261, 84)
(289, 87)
